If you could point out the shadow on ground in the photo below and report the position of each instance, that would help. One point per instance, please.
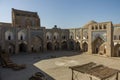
(29, 60)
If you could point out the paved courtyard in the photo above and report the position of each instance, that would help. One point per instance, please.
(55, 65)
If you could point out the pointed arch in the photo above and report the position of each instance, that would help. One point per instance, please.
(49, 35)
(85, 47)
(78, 48)
(96, 44)
(64, 45)
(71, 45)
(56, 47)
(37, 45)
(9, 35)
(22, 47)
(49, 46)
(10, 48)
(22, 35)
(56, 35)
(117, 50)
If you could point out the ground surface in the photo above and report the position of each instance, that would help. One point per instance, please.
(55, 65)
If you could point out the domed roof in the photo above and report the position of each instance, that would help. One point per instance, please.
(90, 22)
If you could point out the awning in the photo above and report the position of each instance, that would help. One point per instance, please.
(93, 69)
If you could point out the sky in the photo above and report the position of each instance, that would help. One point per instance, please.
(64, 13)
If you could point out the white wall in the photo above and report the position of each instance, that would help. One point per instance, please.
(9, 33)
(23, 34)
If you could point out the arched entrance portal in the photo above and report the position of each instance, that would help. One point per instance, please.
(85, 47)
(64, 45)
(71, 45)
(56, 46)
(96, 45)
(49, 46)
(78, 48)
(37, 45)
(11, 49)
(22, 47)
(117, 50)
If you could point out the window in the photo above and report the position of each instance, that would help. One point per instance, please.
(54, 37)
(71, 37)
(9, 37)
(104, 26)
(96, 27)
(78, 37)
(32, 48)
(18, 14)
(21, 38)
(92, 27)
(119, 37)
(47, 37)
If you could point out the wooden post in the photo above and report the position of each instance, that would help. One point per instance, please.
(72, 75)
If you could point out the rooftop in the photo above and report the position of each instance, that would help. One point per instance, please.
(23, 11)
(3, 24)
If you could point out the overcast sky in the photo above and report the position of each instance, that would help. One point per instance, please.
(64, 13)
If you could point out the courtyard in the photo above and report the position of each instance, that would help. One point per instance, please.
(55, 65)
